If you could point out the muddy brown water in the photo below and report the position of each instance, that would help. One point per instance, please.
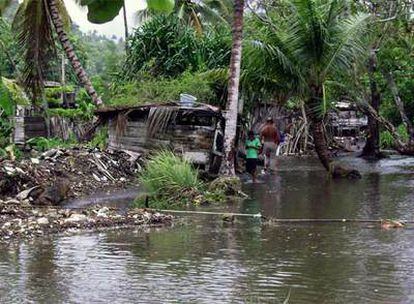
(208, 261)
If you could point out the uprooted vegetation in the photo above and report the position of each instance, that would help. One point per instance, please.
(170, 181)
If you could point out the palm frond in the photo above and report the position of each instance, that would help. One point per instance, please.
(306, 24)
(210, 14)
(34, 31)
(348, 45)
(142, 16)
(6, 104)
(305, 46)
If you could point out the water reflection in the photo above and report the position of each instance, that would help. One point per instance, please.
(209, 261)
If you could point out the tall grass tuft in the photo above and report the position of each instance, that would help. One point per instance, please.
(170, 180)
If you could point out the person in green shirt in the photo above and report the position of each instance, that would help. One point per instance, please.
(253, 146)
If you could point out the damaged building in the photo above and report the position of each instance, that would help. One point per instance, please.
(195, 131)
(348, 126)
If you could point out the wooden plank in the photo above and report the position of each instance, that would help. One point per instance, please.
(18, 135)
(34, 128)
(33, 119)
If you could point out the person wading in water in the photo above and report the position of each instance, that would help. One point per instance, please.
(270, 139)
(253, 146)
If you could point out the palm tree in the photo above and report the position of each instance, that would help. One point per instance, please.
(196, 13)
(34, 22)
(312, 42)
(227, 166)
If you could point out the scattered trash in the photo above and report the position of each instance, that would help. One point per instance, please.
(388, 224)
(85, 171)
(21, 220)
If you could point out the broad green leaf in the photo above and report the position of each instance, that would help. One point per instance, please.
(164, 6)
(101, 11)
(5, 101)
(15, 92)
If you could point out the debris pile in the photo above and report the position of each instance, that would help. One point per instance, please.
(57, 174)
(21, 220)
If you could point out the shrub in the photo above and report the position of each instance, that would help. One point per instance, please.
(170, 181)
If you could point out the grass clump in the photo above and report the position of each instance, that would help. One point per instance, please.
(42, 143)
(170, 181)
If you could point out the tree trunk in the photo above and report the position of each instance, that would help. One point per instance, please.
(227, 166)
(400, 146)
(319, 138)
(372, 145)
(316, 127)
(387, 125)
(125, 26)
(70, 53)
(400, 105)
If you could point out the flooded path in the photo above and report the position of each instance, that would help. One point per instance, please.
(208, 261)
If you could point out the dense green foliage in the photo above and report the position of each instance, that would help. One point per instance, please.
(7, 48)
(300, 50)
(159, 90)
(164, 46)
(397, 56)
(387, 140)
(289, 48)
(103, 55)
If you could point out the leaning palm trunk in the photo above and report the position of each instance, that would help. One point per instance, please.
(70, 53)
(321, 146)
(316, 127)
(227, 166)
(319, 137)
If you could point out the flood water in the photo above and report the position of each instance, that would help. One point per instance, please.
(209, 261)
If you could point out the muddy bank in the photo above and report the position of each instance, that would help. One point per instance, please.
(22, 220)
(60, 174)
